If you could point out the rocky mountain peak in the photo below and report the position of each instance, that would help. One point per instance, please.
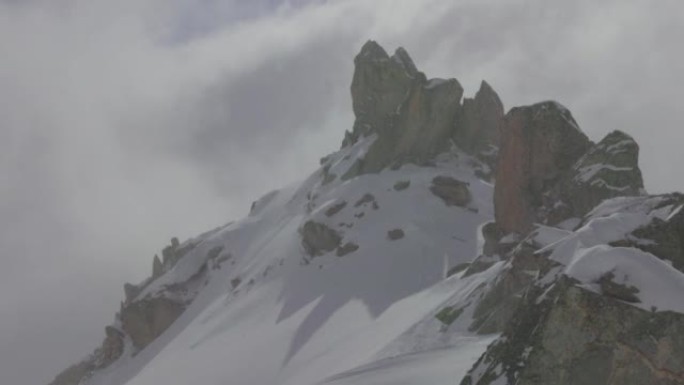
(402, 57)
(413, 117)
(481, 121)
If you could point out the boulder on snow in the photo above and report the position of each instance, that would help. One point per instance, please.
(318, 239)
(452, 191)
(395, 234)
(401, 185)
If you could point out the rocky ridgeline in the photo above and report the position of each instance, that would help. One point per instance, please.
(549, 178)
(141, 319)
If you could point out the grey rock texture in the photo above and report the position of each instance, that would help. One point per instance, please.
(577, 337)
(318, 239)
(664, 239)
(157, 267)
(539, 144)
(608, 169)
(147, 319)
(478, 128)
(452, 191)
(395, 234)
(414, 118)
(549, 171)
(110, 350)
(347, 248)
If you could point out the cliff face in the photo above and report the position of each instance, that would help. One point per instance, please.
(548, 171)
(415, 118)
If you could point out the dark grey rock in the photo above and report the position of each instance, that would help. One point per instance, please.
(336, 208)
(347, 248)
(452, 191)
(402, 185)
(318, 239)
(395, 234)
(147, 319)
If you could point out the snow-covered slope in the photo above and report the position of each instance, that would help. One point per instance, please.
(301, 319)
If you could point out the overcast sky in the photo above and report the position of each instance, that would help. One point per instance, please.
(123, 123)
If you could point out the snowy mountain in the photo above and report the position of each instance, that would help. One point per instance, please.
(400, 261)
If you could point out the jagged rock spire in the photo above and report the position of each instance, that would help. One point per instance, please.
(481, 120)
(413, 117)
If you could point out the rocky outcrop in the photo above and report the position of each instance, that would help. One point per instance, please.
(571, 336)
(414, 118)
(539, 145)
(395, 234)
(74, 374)
(157, 267)
(112, 347)
(147, 319)
(401, 185)
(110, 350)
(131, 291)
(608, 169)
(478, 129)
(452, 191)
(548, 170)
(662, 238)
(318, 239)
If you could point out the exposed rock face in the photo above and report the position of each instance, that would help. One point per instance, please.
(112, 346)
(539, 144)
(548, 171)
(109, 351)
(664, 239)
(608, 169)
(131, 291)
(318, 239)
(146, 319)
(452, 191)
(577, 337)
(479, 126)
(413, 117)
(157, 267)
(74, 374)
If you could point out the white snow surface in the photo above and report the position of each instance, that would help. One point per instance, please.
(586, 254)
(660, 285)
(338, 320)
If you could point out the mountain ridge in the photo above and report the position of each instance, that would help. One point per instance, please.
(407, 198)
